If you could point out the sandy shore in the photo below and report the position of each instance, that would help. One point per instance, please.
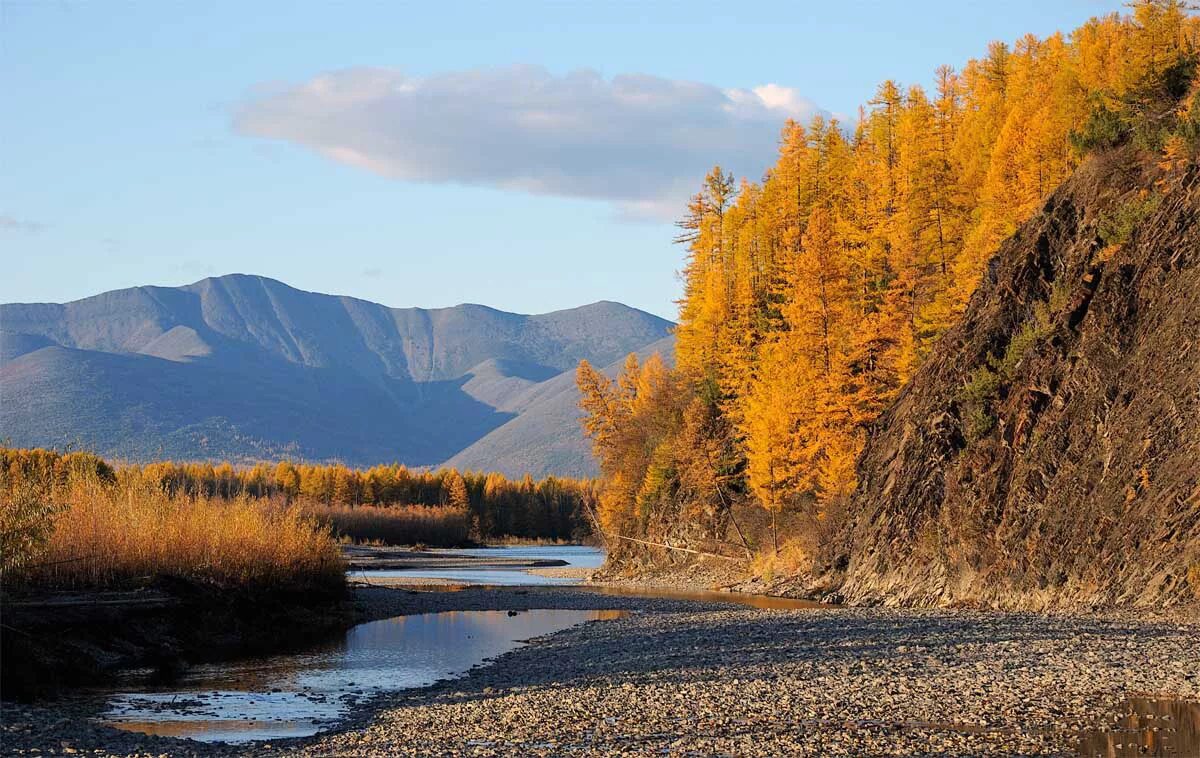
(566, 572)
(704, 678)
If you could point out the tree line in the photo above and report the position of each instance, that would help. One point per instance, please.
(550, 508)
(811, 296)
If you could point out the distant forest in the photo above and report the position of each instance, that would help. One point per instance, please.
(493, 506)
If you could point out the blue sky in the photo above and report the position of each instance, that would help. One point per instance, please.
(521, 155)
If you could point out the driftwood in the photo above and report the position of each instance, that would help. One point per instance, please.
(674, 547)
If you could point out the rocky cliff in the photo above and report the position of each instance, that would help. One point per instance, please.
(1048, 451)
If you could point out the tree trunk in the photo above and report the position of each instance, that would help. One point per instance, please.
(775, 530)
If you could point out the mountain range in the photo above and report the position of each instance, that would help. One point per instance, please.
(246, 368)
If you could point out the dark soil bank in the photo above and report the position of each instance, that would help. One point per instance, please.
(53, 641)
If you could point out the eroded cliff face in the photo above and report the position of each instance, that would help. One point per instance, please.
(1048, 451)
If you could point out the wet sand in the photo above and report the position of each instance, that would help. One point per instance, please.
(582, 575)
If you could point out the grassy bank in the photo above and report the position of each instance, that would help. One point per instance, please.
(72, 522)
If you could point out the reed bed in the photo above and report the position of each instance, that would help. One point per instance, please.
(441, 526)
(101, 533)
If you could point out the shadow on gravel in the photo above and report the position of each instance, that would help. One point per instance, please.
(716, 644)
(632, 651)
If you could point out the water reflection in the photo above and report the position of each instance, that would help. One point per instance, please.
(490, 577)
(1148, 727)
(573, 556)
(576, 556)
(297, 695)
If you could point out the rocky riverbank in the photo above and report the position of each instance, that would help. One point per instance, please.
(715, 678)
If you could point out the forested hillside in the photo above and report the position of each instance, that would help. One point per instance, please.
(813, 296)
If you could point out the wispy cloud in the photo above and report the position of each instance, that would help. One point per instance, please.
(20, 226)
(194, 267)
(640, 142)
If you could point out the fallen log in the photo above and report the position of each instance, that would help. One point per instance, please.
(674, 547)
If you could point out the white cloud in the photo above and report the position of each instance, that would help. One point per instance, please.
(640, 142)
(24, 226)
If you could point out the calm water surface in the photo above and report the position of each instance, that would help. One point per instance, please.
(298, 695)
(576, 556)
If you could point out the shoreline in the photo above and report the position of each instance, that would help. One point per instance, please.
(60, 641)
(716, 677)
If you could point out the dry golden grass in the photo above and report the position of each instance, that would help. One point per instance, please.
(108, 534)
(443, 526)
(791, 559)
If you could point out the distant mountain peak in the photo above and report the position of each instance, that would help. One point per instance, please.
(242, 366)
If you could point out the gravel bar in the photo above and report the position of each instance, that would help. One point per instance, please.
(690, 678)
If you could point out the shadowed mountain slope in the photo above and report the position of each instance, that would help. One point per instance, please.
(544, 437)
(245, 367)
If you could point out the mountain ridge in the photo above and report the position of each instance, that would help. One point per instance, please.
(435, 380)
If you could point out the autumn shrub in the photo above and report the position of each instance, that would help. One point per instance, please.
(977, 397)
(793, 557)
(1187, 128)
(42, 470)
(442, 526)
(1119, 224)
(981, 391)
(104, 534)
(549, 508)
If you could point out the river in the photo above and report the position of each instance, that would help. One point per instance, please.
(297, 695)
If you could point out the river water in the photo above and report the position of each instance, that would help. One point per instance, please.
(298, 695)
(1147, 726)
(575, 556)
